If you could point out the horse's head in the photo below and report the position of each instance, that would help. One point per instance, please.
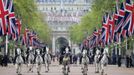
(97, 52)
(38, 51)
(84, 53)
(18, 51)
(105, 51)
(47, 50)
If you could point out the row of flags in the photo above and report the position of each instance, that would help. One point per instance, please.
(11, 26)
(116, 26)
(30, 38)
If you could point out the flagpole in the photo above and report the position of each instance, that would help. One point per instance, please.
(133, 45)
(133, 48)
(119, 46)
(6, 43)
(126, 44)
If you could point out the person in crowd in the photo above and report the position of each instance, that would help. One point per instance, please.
(119, 61)
(130, 62)
(74, 59)
(5, 60)
(127, 61)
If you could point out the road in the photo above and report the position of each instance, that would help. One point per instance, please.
(55, 69)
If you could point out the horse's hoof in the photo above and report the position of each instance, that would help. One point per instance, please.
(46, 71)
(96, 71)
(19, 74)
(38, 73)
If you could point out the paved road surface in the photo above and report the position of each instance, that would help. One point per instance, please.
(55, 69)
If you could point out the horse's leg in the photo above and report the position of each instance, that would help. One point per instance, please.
(17, 68)
(29, 67)
(32, 65)
(82, 63)
(20, 66)
(102, 69)
(38, 69)
(68, 67)
(97, 67)
(105, 69)
(46, 66)
(82, 68)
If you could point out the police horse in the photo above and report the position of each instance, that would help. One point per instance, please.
(97, 61)
(66, 62)
(38, 61)
(85, 61)
(31, 60)
(47, 59)
(19, 61)
(101, 61)
(104, 62)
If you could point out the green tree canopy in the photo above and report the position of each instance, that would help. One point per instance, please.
(91, 20)
(31, 18)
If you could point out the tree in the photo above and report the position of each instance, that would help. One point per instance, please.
(27, 11)
(92, 20)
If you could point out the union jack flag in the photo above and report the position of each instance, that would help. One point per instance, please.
(128, 16)
(3, 18)
(112, 26)
(106, 27)
(130, 9)
(32, 35)
(120, 18)
(97, 34)
(25, 36)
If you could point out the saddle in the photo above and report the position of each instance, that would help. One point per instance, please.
(99, 58)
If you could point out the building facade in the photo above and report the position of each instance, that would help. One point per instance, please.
(60, 16)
